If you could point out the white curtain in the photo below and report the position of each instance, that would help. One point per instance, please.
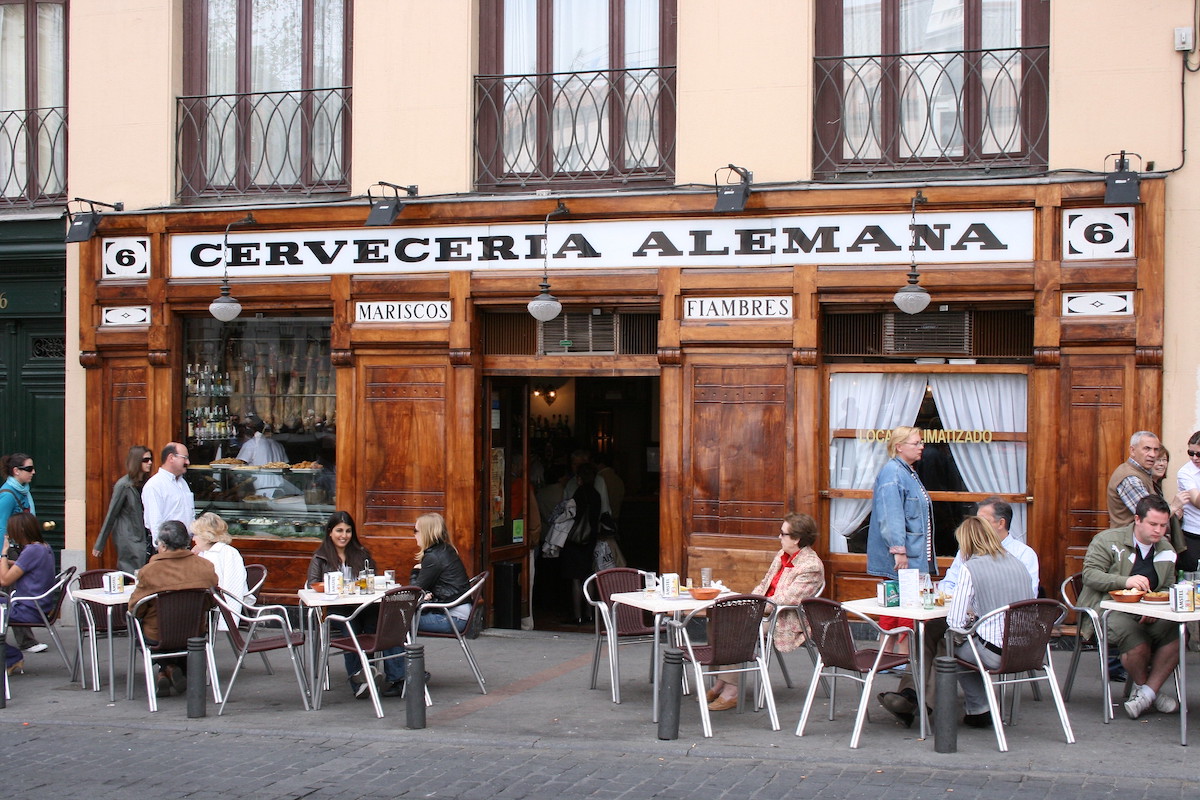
(864, 401)
(992, 403)
(581, 101)
(520, 62)
(641, 89)
(13, 163)
(861, 45)
(221, 71)
(276, 64)
(329, 37)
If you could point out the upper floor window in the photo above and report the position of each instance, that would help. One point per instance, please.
(33, 113)
(268, 97)
(575, 91)
(930, 84)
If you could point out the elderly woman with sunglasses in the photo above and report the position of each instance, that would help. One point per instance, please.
(124, 521)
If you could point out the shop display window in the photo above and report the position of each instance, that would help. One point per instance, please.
(974, 427)
(260, 422)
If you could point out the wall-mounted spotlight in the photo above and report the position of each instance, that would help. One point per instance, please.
(1121, 186)
(226, 307)
(913, 299)
(385, 208)
(733, 196)
(83, 223)
(545, 306)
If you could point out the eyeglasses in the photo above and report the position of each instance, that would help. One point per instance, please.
(180, 455)
(1193, 454)
(148, 460)
(27, 469)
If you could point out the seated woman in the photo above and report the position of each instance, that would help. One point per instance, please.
(991, 578)
(342, 548)
(795, 573)
(28, 574)
(211, 541)
(441, 574)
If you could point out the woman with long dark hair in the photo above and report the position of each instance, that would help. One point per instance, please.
(124, 521)
(28, 573)
(342, 548)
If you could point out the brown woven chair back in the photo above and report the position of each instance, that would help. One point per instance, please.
(733, 629)
(397, 616)
(256, 576)
(1028, 626)
(182, 615)
(630, 621)
(830, 631)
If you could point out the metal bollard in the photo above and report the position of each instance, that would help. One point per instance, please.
(945, 713)
(197, 677)
(414, 686)
(670, 693)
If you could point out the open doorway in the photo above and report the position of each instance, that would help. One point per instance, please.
(541, 428)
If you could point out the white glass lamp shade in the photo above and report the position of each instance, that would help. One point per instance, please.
(544, 307)
(225, 308)
(911, 299)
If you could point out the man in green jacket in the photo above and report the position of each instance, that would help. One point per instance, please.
(1137, 556)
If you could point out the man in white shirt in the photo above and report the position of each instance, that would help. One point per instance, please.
(166, 494)
(999, 514)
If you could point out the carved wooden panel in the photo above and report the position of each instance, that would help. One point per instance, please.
(736, 452)
(118, 405)
(401, 446)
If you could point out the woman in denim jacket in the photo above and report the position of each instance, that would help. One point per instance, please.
(899, 536)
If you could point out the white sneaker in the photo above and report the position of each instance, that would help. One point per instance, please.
(1136, 706)
(1165, 704)
(40, 647)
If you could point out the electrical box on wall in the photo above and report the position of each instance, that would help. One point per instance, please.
(1184, 39)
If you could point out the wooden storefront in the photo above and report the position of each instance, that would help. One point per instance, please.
(743, 429)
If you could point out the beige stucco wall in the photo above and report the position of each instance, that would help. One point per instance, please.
(414, 62)
(743, 89)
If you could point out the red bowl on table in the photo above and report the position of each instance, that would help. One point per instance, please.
(705, 592)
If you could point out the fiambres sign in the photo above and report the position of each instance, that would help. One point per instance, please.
(940, 238)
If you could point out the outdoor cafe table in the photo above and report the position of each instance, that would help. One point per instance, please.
(1157, 611)
(660, 607)
(870, 606)
(315, 603)
(109, 601)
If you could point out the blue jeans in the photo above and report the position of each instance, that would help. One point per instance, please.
(431, 622)
(393, 668)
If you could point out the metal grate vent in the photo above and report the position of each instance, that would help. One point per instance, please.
(579, 332)
(944, 332)
(591, 331)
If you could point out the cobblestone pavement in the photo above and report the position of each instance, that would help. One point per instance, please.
(540, 733)
(48, 760)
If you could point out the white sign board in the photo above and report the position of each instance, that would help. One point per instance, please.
(424, 311)
(738, 307)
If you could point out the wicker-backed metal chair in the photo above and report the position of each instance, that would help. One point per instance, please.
(473, 595)
(736, 638)
(256, 576)
(241, 616)
(1070, 590)
(839, 656)
(182, 615)
(4, 631)
(394, 627)
(618, 624)
(773, 652)
(1028, 626)
(94, 619)
(48, 618)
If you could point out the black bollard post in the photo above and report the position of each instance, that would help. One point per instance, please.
(670, 693)
(197, 677)
(414, 686)
(945, 713)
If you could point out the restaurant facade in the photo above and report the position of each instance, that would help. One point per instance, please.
(729, 366)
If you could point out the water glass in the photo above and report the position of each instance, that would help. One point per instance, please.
(705, 577)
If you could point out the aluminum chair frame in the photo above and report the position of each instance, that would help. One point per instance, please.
(252, 617)
(86, 613)
(4, 632)
(1008, 674)
(774, 653)
(1069, 590)
(49, 620)
(137, 641)
(607, 617)
(850, 669)
(756, 605)
(352, 642)
(474, 594)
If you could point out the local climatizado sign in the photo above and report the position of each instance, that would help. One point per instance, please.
(940, 238)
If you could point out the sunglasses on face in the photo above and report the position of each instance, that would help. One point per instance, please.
(148, 460)
(27, 469)
(1194, 453)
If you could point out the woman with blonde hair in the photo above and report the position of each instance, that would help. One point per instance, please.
(211, 540)
(991, 578)
(442, 576)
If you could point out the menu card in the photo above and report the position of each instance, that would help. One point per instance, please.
(910, 588)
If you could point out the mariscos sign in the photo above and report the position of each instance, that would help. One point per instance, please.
(941, 238)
